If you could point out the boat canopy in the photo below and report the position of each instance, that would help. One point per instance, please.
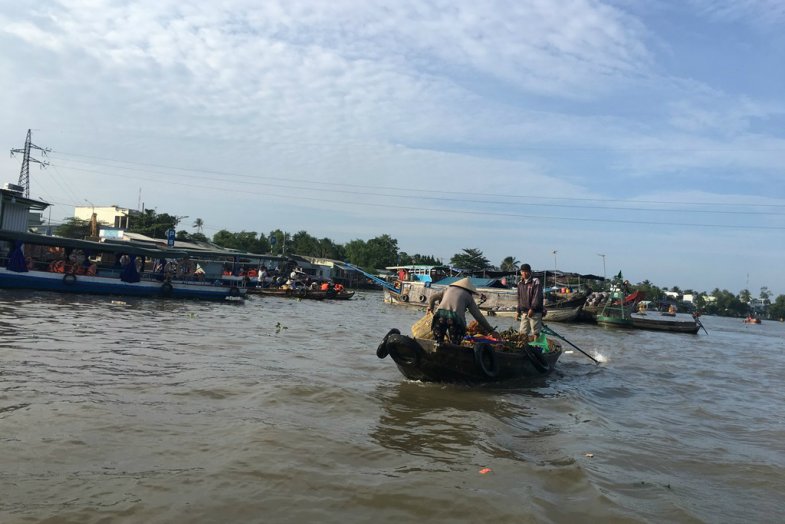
(74, 243)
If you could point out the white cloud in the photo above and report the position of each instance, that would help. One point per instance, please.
(568, 99)
(762, 12)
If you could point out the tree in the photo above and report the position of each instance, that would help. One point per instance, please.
(376, 253)
(152, 224)
(470, 260)
(727, 304)
(652, 292)
(510, 264)
(404, 259)
(777, 309)
(329, 249)
(73, 227)
(198, 224)
(765, 295)
(279, 242)
(243, 241)
(745, 296)
(304, 244)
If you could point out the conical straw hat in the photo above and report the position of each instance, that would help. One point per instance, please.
(466, 284)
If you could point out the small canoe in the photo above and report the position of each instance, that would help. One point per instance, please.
(482, 361)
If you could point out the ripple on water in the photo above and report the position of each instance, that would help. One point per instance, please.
(157, 411)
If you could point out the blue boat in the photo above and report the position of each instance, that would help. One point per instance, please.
(64, 265)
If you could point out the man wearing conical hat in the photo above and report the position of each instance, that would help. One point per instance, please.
(449, 320)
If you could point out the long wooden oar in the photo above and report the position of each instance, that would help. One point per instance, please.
(548, 331)
(698, 320)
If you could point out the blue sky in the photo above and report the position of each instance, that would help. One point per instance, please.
(650, 132)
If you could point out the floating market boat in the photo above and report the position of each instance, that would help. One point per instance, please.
(752, 320)
(493, 301)
(477, 360)
(65, 265)
(301, 293)
(665, 321)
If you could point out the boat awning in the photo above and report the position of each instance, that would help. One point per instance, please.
(74, 243)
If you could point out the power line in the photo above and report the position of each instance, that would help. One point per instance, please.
(190, 172)
(321, 199)
(421, 196)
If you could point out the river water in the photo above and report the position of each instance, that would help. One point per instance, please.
(278, 410)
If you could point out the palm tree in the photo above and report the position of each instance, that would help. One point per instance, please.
(510, 264)
(198, 224)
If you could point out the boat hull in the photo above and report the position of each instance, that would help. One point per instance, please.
(97, 285)
(305, 294)
(674, 322)
(491, 301)
(424, 360)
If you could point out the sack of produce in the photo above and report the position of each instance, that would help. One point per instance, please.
(422, 328)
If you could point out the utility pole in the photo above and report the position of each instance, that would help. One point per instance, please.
(555, 267)
(604, 277)
(24, 174)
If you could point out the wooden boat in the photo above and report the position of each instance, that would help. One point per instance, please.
(664, 321)
(301, 293)
(617, 311)
(491, 301)
(478, 362)
(65, 265)
(752, 320)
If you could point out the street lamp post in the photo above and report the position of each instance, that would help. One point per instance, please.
(604, 277)
(555, 266)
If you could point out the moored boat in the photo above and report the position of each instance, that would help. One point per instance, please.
(474, 361)
(664, 321)
(492, 301)
(302, 293)
(64, 265)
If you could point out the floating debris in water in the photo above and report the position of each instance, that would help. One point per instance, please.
(485, 471)
(279, 327)
(589, 455)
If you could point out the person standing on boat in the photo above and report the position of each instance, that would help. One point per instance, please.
(530, 303)
(449, 319)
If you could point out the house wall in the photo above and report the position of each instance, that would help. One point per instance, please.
(109, 215)
(13, 216)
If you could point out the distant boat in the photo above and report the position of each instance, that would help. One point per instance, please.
(618, 309)
(752, 320)
(65, 265)
(301, 293)
(493, 298)
(664, 321)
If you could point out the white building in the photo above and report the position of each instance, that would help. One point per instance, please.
(112, 216)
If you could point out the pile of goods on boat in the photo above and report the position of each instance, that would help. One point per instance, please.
(508, 340)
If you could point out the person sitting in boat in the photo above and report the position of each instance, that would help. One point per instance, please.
(338, 288)
(325, 286)
(449, 319)
(530, 303)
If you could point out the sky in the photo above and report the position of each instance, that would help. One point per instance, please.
(646, 137)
